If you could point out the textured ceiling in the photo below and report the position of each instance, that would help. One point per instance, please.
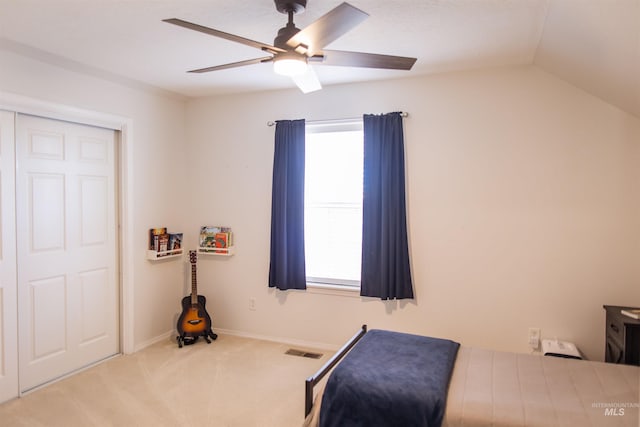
(593, 44)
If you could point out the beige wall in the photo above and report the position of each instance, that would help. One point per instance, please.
(524, 209)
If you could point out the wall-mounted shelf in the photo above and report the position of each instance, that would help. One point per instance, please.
(217, 251)
(163, 245)
(157, 255)
(216, 240)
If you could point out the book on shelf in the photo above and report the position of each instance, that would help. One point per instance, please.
(222, 241)
(175, 241)
(634, 313)
(163, 244)
(212, 237)
(154, 237)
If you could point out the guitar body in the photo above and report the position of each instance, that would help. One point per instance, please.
(194, 321)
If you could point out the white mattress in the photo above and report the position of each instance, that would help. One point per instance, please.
(490, 388)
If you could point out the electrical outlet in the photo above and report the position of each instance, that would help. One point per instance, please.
(534, 338)
(252, 304)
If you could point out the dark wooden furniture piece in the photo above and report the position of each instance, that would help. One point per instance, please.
(622, 337)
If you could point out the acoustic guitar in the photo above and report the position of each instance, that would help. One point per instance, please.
(194, 322)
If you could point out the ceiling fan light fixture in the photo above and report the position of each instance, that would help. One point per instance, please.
(290, 65)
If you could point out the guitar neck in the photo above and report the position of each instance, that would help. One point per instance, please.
(194, 285)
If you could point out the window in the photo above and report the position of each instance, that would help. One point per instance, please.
(333, 202)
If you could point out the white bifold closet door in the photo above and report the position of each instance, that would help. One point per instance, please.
(67, 264)
(8, 289)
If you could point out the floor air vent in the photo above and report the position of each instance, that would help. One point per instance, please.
(301, 353)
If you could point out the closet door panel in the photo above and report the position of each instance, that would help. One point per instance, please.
(46, 212)
(68, 288)
(48, 324)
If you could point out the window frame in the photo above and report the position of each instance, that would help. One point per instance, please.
(324, 284)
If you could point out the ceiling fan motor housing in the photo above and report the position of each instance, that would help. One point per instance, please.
(284, 34)
(295, 6)
(290, 8)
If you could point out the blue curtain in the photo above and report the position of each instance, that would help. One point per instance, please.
(287, 266)
(385, 250)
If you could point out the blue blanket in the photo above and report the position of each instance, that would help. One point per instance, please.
(390, 379)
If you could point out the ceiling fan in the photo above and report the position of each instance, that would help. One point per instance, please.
(293, 50)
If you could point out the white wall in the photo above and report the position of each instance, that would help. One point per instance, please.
(524, 209)
(158, 166)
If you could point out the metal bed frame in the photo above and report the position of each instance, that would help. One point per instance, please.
(311, 382)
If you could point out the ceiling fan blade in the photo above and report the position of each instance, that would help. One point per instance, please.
(327, 28)
(233, 65)
(367, 60)
(307, 82)
(222, 34)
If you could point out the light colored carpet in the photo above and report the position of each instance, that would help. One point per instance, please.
(233, 381)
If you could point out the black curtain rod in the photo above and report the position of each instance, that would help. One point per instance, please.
(402, 113)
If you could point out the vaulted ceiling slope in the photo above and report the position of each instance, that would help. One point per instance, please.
(593, 44)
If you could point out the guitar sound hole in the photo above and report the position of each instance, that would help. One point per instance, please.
(194, 321)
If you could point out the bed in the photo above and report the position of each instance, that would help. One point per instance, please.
(482, 387)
